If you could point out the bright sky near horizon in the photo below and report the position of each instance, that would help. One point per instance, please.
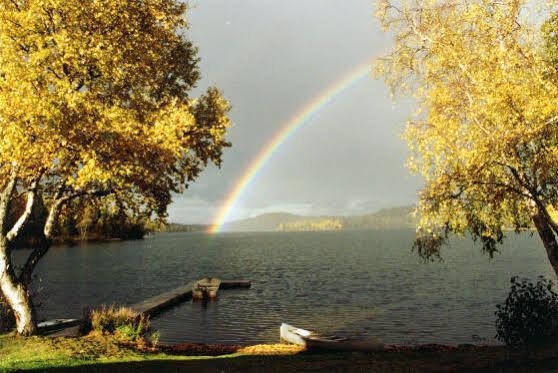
(271, 58)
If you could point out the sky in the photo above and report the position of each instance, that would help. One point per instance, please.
(271, 58)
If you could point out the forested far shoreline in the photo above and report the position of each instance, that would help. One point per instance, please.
(389, 218)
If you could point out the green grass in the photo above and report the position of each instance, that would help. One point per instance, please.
(95, 353)
(43, 353)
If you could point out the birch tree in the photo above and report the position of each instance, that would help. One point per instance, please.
(94, 103)
(485, 135)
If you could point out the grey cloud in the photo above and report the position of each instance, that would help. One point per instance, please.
(271, 58)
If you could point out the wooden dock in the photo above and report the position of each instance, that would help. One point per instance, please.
(159, 303)
(235, 284)
(149, 307)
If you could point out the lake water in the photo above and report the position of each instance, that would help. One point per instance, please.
(346, 283)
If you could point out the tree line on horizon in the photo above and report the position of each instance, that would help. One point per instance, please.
(395, 218)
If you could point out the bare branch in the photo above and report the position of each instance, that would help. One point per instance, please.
(61, 200)
(54, 212)
(18, 226)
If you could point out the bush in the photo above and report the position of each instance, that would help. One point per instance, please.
(124, 323)
(7, 319)
(530, 314)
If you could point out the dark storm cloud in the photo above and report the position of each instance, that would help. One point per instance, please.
(271, 58)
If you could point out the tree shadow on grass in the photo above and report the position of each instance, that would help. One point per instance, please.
(331, 362)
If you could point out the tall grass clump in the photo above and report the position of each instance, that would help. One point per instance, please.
(122, 322)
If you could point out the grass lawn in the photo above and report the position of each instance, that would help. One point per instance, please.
(98, 353)
(40, 352)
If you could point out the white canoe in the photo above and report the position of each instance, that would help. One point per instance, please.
(312, 340)
(294, 335)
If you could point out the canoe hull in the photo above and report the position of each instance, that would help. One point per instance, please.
(293, 335)
(311, 340)
(368, 345)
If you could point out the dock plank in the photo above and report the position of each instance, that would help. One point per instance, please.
(235, 284)
(158, 303)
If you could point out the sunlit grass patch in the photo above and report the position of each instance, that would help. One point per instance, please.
(18, 352)
(44, 352)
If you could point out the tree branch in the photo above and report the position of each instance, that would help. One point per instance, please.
(61, 200)
(6, 197)
(18, 226)
(38, 253)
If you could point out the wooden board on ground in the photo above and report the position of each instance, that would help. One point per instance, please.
(57, 324)
(72, 331)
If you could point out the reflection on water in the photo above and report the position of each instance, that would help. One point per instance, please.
(334, 282)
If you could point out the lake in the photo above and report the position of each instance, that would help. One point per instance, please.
(345, 283)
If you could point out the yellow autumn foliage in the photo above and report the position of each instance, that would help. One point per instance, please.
(94, 95)
(484, 135)
(94, 103)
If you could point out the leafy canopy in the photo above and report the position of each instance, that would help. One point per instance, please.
(94, 96)
(485, 133)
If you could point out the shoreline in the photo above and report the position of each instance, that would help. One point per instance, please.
(410, 358)
(105, 353)
(212, 348)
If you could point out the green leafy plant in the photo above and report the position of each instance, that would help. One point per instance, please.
(154, 338)
(530, 314)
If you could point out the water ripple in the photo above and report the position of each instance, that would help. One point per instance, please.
(342, 283)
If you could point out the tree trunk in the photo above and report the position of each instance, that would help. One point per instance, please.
(548, 238)
(17, 294)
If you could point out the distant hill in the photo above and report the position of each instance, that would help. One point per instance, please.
(261, 223)
(391, 218)
(396, 217)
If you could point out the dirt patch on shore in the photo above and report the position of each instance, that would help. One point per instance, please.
(271, 349)
(199, 349)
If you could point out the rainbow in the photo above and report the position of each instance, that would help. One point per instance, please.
(304, 116)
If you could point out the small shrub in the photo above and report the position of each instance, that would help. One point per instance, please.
(7, 319)
(127, 332)
(154, 338)
(124, 323)
(530, 314)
